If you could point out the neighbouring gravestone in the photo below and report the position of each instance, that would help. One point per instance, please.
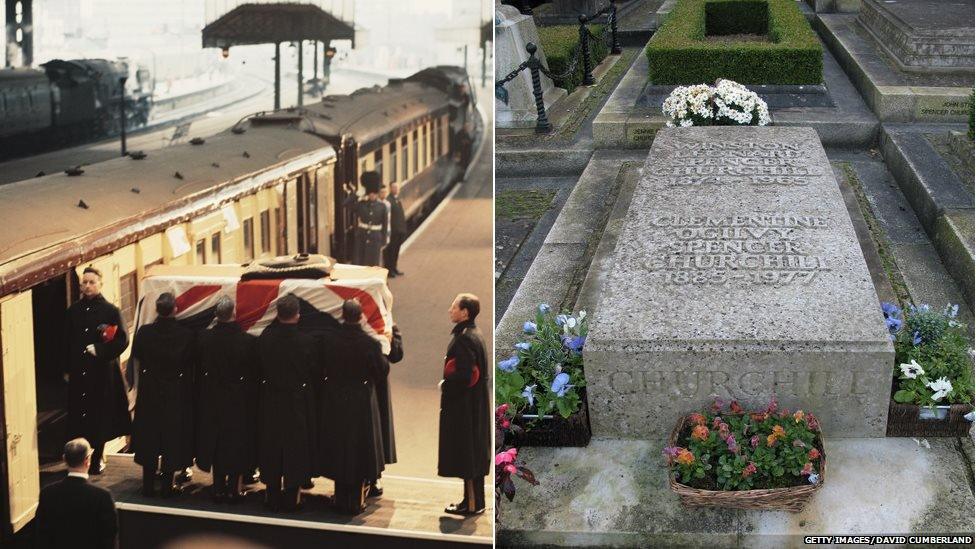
(512, 32)
(737, 275)
(923, 35)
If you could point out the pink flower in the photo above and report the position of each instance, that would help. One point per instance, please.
(716, 422)
(807, 469)
(509, 468)
(717, 405)
(812, 423)
(723, 430)
(773, 406)
(671, 452)
(732, 444)
(734, 406)
(506, 423)
(754, 441)
(749, 470)
(506, 457)
(501, 410)
(813, 453)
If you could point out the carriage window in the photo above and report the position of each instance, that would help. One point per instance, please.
(265, 232)
(404, 174)
(215, 248)
(248, 227)
(437, 138)
(393, 162)
(422, 157)
(201, 251)
(128, 297)
(416, 157)
(378, 162)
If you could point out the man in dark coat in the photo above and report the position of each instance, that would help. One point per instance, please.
(398, 230)
(163, 425)
(385, 401)
(370, 222)
(98, 408)
(286, 422)
(352, 445)
(465, 422)
(73, 513)
(226, 382)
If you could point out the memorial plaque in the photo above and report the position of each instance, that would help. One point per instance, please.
(737, 274)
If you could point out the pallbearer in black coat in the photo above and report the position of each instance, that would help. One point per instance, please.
(163, 425)
(398, 231)
(286, 418)
(98, 408)
(385, 401)
(73, 513)
(465, 424)
(352, 444)
(227, 403)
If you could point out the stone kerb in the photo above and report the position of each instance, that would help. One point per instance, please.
(512, 32)
(738, 274)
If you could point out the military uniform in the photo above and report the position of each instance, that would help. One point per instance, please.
(287, 415)
(163, 423)
(372, 228)
(464, 448)
(352, 444)
(398, 233)
(98, 408)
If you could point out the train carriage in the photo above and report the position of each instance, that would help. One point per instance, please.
(272, 185)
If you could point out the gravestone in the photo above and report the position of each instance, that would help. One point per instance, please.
(512, 32)
(922, 35)
(738, 275)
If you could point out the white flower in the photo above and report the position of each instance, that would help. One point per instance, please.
(912, 370)
(571, 322)
(941, 387)
(582, 315)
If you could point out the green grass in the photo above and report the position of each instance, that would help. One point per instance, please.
(679, 54)
(558, 43)
(530, 205)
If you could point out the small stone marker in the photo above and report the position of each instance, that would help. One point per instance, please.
(737, 274)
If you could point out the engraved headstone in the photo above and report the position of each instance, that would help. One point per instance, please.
(737, 274)
(512, 32)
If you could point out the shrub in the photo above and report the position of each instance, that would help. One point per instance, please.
(933, 365)
(735, 450)
(559, 42)
(679, 54)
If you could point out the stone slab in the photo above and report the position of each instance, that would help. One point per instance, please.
(922, 35)
(737, 274)
(836, 110)
(894, 95)
(614, 493)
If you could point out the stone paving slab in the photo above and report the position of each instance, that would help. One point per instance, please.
(614, 493)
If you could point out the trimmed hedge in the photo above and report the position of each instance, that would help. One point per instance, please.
(679, 54)
(558, 43)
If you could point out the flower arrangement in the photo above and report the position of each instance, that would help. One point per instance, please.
(932, 355)
(726, 104)
(735, 450)
(507, 464)
(545, 373)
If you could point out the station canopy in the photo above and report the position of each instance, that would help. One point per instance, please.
(273, 22)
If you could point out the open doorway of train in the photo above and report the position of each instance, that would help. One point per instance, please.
(50, 300)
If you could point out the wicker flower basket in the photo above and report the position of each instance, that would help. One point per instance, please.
(556, 430)
(790, 499)
(903, 421)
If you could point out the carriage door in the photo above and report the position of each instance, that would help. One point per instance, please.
(308, 201)
(19, 408)
(294, 238)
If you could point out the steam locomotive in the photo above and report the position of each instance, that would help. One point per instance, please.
(67, 102)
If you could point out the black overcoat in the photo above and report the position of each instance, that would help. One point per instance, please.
(465, 422)
(352, 444)
(226, 400)
(163, 425)
(398, 218)
(98, 408)
(385, 399)
(73, 513)
(287, 415)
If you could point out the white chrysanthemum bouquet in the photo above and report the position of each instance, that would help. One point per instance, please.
(726, 104)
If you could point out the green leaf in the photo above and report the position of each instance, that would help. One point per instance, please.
(904, 396)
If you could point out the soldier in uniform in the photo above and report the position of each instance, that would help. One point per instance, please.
(465, 420)
(398, 230)
(371, 224)
(227, 379)
(385, 401)
(286, 418)
(352, 445)
(163, 425)
(98, 408)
